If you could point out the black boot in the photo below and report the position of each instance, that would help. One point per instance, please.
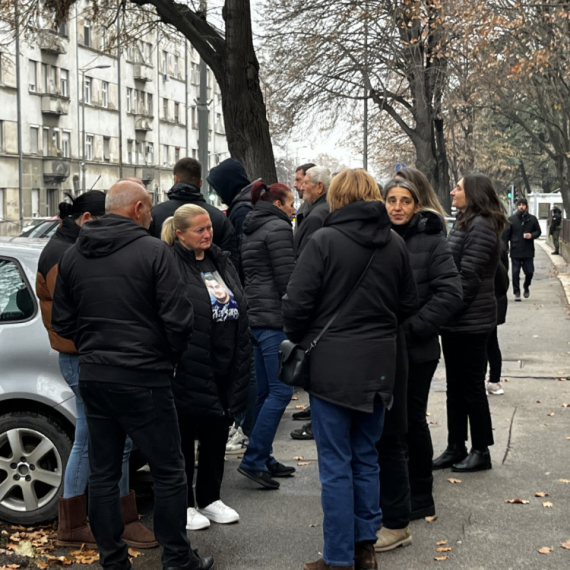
(196, 563)
(454, 453)
(477, 460)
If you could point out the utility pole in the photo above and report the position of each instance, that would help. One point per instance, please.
(19, 117)
(202, 105)
(365, 132)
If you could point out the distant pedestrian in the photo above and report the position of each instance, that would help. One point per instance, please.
(406, 450)
(474, 242)
(521, 232)
(186, 190)
(555, 227)
(357, 270)
(212, 377)
(300, 173)
(121, 299)
(268, 260)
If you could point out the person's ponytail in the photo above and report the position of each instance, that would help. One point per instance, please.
(257, 188)
(168, 233)
(65, 210)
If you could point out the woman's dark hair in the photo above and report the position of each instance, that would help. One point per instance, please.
(92, 202)
(260, 191)
(482, 200)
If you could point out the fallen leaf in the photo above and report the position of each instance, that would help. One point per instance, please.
(566, 405)
(303, 463)
(568, 438)
(545, 550)
(440, 558)
(294, 398)
(300, 407)
(535, 336)
(433, 423)
(566, 544)
(538, 401)
(540, 494)
(550, 414)
(298, 457)
(431, 519)
(441, 542)
(517, 501)
(452, 480)
(314, 525)
(444, 549)
(134, 553)
(547, 504)
(428, 414)
(505, 379)
(564, 480)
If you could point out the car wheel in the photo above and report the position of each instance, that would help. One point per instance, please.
(34, 450)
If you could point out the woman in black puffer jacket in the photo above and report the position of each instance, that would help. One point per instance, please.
(475, 245)
(439, 291)
(267, 263)
(212, 378)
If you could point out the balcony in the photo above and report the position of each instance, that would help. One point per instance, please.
(143, 123)
(142, 72)
(55, 170)
(51, 42)
(55, 105)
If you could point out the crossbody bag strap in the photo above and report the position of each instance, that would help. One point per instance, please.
(341, 307)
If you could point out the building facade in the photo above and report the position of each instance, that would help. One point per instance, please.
(133, 114)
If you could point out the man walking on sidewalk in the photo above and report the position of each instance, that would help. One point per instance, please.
(521, 233)
(121, 299)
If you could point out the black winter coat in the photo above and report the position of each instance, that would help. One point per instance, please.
(502, 285)
(476, 254)
(312, 220)
(353, 364)
(120, 297)
(521, 223)
(438, 282)
(267, 261)
(184, 193)
(555, 221)
(195, 390)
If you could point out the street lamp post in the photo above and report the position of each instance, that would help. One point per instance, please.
(83, 165)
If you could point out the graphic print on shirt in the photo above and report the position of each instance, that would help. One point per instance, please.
(224, 304)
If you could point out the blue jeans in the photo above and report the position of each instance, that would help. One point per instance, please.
(272, 398)
(77, 470)
(349, 473)
(246, 419)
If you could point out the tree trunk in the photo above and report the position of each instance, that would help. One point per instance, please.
(562, 173)
(245, 115)
(443, 186)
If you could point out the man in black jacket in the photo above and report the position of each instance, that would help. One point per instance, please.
(521, 233)
(121, 299)
(186, 190)
(555, 227)
(298, 185)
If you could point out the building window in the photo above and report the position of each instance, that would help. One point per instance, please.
(105, 94)
(148, 51)
(45, 78)
(140, 154)
(103, 39)
(164, 63)
(165, 109)
(87, 97)
(165, 155)
(55, 140)
(45, 142)
(176, 64)
(150, 154)
(194, 119)
(149, 105)
(35, 202)
(2, 199)
(176, 154)
(129, 152)
(62, 29)
(32, 79)
(89, 147)
(87, 33)
(65, 144)
(107, 149)
(129, 97)
(52, 201)
(135, 101)
(1, 136)
(34, 139)
(177, 113)
(64, 82)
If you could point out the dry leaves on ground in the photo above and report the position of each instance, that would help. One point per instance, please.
(541, 494)
(298, 457)
(564, 480)
(453, 481)
(566, 544)
(294, 398)
(300, 407)
(517, 501)
(440, 558)
(547, 504)
(551, 414)
(314, 525)
(444, 549)
(441, 542)
(545, 550)
(303, 463)
(431, 519)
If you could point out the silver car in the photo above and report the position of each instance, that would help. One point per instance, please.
(37, 407)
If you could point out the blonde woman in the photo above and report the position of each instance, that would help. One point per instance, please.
(355, 263)
(212, 378)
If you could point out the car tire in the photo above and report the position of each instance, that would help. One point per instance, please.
(34, 450)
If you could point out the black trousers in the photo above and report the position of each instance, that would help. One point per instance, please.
(406, 479)
(212, 435)
(494, 357)
(466, 362)
(148, 416)
(527, 265)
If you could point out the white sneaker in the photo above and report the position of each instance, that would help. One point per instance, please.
(231, 432)
(494, 389)
(219, 513)
(195, 520)
(237, 443)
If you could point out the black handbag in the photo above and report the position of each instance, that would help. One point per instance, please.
(294, 365)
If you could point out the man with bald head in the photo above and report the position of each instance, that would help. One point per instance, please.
(121, 299)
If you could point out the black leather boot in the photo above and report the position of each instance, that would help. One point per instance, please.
(477, 460)
(453, 454)
(196, 563)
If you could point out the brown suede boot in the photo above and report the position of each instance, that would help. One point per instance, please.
(72, 528)
(364, 555)
(320, 564)
(135, 534)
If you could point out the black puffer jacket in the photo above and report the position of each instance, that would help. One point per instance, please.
(184, 193)
(438, 282)
(354, 363)
(268, 261)
(476, 254)
(312, 220)
(521, 223)
(195, 390)
(502, 285)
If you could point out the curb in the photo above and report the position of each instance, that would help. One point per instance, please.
(562, 268)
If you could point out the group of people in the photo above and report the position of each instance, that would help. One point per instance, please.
(169, 319)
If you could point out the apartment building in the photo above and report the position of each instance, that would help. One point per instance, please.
(139, 110)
